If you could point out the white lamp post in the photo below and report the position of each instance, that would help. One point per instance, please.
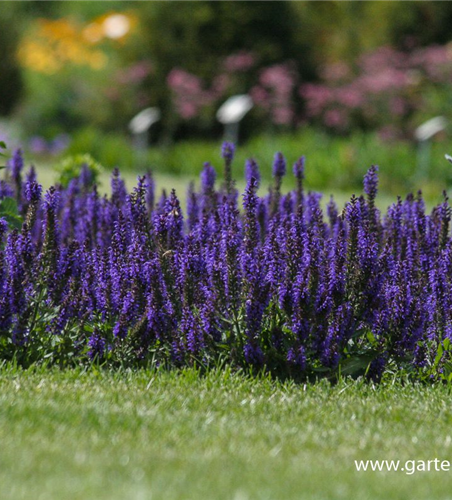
(139, 127)
(231, 113)
(423, 134)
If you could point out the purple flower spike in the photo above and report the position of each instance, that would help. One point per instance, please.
(279, 165)
(33, 191)
(252, 172)
(96, 346)
(298, 168)
(371, 182)
(276, 282)
(208, 177)
(16, 164)
(228, 151)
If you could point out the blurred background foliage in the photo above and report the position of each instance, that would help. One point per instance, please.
(346, 83)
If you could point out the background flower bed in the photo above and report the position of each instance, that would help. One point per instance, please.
(302, 63)
(278, 284)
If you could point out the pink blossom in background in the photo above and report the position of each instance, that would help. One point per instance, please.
(436, 62)
(380, 87)
(274, 93)
(431, 56)
(351, 96)
(398, 105)
(388, 133)
(279, 77)
(220, 84)
(387, 85)
(335, 118)
(386, 80)
(381, 59)
(241, 61)
(260, 95)
(187, 109)
(335, 71)
(180, 80)
(282, 115)
(316, 97)
(188, 95)
(135, 73)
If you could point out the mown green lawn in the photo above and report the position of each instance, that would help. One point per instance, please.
(160, 435)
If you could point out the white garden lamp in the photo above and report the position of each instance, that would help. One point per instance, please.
(424, 135)
(139, 127)
(231, 113)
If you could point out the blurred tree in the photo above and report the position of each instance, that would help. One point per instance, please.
(197, 36)
(10, 76)
(338, 30)
(421, 23)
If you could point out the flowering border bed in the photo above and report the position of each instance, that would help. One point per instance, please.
(264, 282)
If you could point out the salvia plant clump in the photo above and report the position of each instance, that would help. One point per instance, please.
(268, 282)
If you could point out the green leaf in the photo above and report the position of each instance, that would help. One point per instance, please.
(321, 369)
(2, 144)
(356, 364)
(439, 355)
(9, 205)
(10, 212)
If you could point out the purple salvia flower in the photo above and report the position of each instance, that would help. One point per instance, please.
(150, 191)
(298, 171)
(31, 175)
(253, 354)
(33, 191)
(3, 228)
(191, 331)
(298, 168)
(193, 208)
(97, 345)
(126, 316)
(227, 153)
(16, 164)
(50, 247)
(118, 188)
(6, 191)
(297, 357)
(371, 183)
(174, 221)
(252, 172)
(208, 177)
(16, 273)
(86, 177)
(279, 165)
(279, 170)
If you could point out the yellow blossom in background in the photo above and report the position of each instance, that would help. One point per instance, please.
(93, 33)
(54, 44)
